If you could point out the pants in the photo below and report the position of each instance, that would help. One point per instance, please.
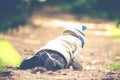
(49, 59)
(52, 61)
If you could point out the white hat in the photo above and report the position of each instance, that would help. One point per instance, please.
(78, 30)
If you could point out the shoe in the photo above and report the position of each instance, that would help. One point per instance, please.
(29, 63)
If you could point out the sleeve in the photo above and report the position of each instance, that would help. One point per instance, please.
(77, 58)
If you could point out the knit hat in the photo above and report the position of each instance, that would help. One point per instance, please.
(78, 31)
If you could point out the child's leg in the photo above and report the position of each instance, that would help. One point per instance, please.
(49, 59)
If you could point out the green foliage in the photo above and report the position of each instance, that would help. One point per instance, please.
(11, 14)
(95, 8)
(8, 55)
(117, 23)
(14, 13)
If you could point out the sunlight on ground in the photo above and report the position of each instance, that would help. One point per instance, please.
(53, 22)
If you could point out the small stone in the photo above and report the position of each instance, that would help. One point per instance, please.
(38, 70)
(50, 72)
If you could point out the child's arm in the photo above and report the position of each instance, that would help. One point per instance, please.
(77, 59)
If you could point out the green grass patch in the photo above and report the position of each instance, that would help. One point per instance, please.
(116, 33)
(2, 66)
(8, 55)
(115, 66)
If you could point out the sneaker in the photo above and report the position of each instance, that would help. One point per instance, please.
(29, 63)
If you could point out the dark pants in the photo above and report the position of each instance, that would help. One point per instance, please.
(49, 59)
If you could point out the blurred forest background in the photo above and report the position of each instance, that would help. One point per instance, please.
(16, 12)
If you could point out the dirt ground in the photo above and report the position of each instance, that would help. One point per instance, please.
(44, 27)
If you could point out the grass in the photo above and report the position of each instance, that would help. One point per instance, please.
(116, 61)
(116, 33)
(8, 55)
(114, 66)
(2, 66)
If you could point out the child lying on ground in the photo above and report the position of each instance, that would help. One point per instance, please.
(60, 53)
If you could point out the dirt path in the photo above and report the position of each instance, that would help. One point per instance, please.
(41, 29)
